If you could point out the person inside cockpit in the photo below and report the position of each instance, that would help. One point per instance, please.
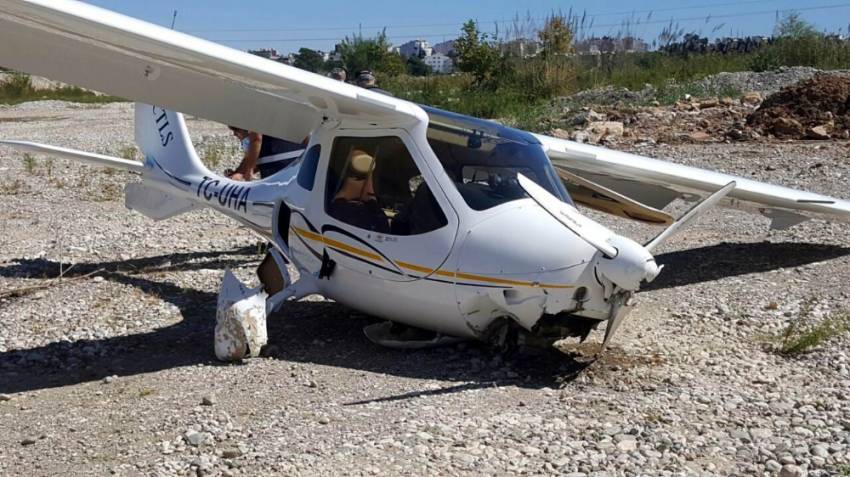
(355, 201)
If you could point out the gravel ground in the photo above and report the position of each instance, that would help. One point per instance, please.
(766, 83)
(111, 368)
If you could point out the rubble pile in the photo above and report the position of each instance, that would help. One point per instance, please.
(815, 109)
(792, 103)
(689, 120)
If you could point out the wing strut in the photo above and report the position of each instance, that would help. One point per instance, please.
(692, 214)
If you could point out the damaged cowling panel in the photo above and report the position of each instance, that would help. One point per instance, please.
(534, 317)
(528, 257)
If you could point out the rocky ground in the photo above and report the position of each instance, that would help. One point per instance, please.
(110, 369)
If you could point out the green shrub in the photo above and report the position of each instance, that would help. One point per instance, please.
(817, 51)
(129, 153)
(29, 163)
(16, 85)
(804, 333)
(540, 79)
(18, 88)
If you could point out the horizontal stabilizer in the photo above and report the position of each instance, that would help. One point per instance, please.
(86, 157)
(154, 203)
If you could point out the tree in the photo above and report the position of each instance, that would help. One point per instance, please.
(359, 53)
(793, 26)
(476, 54)
(393, 65)
(556, 35)
(310, 60)
(417, 67)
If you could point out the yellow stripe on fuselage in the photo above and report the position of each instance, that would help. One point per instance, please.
(419, 268)
(334, 243)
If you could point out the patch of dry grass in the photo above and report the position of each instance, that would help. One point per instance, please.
(805, 333)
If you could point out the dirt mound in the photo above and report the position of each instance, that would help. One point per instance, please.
(813, 109)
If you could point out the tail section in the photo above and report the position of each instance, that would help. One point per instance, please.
(154, 203)
(160, 134)
(163, 138)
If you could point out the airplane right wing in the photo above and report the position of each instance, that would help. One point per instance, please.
(655, 184)
(98, 49)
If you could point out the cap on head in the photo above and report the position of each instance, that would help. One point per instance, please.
(365, 78)
(362, 163)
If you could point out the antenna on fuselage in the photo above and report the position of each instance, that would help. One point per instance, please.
(173, 19)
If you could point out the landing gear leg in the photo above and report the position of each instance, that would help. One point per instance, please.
(240, 330)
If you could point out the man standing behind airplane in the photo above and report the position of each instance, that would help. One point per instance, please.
(338, 74)
(366, 79)
(267, 154)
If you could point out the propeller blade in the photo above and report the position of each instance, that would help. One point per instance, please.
(690, 215)
(621, 307)
(591, 232)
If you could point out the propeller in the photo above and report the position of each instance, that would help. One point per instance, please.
(591, 232)
(624, 263)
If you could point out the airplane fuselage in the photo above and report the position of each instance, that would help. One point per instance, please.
(511, 260)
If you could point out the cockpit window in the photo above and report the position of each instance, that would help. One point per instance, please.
(483, 159)
(374, 184)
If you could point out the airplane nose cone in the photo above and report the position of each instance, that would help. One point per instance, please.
(651, 270)
(632, 265)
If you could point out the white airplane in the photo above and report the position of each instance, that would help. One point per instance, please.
(434, 220)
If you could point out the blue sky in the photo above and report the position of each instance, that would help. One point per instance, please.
(317, 24)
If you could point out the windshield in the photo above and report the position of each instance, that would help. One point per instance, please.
(483, 159)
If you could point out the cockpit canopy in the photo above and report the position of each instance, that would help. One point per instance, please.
(483, 159)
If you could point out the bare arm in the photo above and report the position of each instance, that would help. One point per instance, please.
(246, 168)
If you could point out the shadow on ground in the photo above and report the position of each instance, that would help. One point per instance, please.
(724, 260)
(327, 333)
(306, 332)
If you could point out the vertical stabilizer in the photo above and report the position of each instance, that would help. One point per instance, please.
(164, 140)
(162, 136)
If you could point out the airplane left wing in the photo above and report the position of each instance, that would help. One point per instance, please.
(98, 49)
(657, 183)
